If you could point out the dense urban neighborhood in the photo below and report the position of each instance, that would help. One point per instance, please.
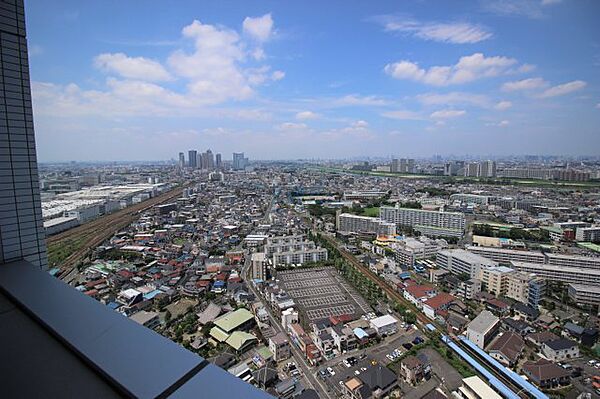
(348, 280)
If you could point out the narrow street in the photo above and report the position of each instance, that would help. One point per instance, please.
(299, 358)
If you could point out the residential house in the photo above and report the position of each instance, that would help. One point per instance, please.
(507, 348)
(546, 374)
(560, 350)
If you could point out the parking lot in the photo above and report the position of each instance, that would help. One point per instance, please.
(321, 293)
(365, 358)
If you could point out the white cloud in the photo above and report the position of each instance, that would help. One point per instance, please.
(260, 28)
(448, 113)
(277, 75)
(291, 126)
(525, 84)
(467, 69)
(214, 65)
(454, 98)
(214, 72)
(454, 32)
(562, 89)
(402, 115)
(520, 8)
(598, 105)
(360, 124)
(132, 67)
(504, 123)
(550, 2)
(503, 105)
(354, 99)
(306, 115)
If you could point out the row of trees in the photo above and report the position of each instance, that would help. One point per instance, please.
(512, 233)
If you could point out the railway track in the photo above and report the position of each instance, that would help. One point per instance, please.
(381, 284)
(89, 235)
(505, 380)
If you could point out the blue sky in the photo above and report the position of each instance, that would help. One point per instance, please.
(130, 80)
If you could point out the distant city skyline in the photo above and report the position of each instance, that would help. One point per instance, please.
(328, 81)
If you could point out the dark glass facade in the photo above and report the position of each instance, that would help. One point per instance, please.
(21, 222)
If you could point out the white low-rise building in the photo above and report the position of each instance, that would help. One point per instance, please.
(384, 325)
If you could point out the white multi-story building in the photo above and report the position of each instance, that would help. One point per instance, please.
(259, 265)
(482, 328)
(565, 274)
(590, 234)
(495, 279)
(409, 250)
(471, 198)
(437, 223)
(349, 223)
(300, 257)
(584, 262)
(584, 293)
(505, 256)
(525, 287)
(459, 261)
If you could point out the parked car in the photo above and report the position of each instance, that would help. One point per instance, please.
(331, 372)
(417, 340)
(407, 346)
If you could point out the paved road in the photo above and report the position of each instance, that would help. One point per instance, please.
(315, 383)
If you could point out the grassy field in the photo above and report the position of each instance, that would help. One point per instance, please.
(459, 179)
(60, 250)
(372, 211)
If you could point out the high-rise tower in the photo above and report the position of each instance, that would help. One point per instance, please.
(21, 223)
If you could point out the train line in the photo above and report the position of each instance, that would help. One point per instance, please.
(93, 233)
(512, 388)
(391, 293)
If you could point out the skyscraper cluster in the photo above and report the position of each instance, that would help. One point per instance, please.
(402, 166)
(210, 161)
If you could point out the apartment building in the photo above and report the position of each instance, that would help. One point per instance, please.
(585, 262)
(495, 279)
(258, 263)
(584, 294)
(349, 223)
(505, 256)
(438, 222)
(300, 257)
(459, 261)
(588, 234)
(575, 275)
(471, 198)
(525, 287)
(271, 249)
(409, 250)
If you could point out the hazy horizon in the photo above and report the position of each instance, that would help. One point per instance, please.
(314, 80)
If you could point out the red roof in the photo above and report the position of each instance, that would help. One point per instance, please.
(91, 292)
(94, 283)
(497, 303)
(343, 318)
(125, 273)
(202, 283)
(440, 300)
(419, 291)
